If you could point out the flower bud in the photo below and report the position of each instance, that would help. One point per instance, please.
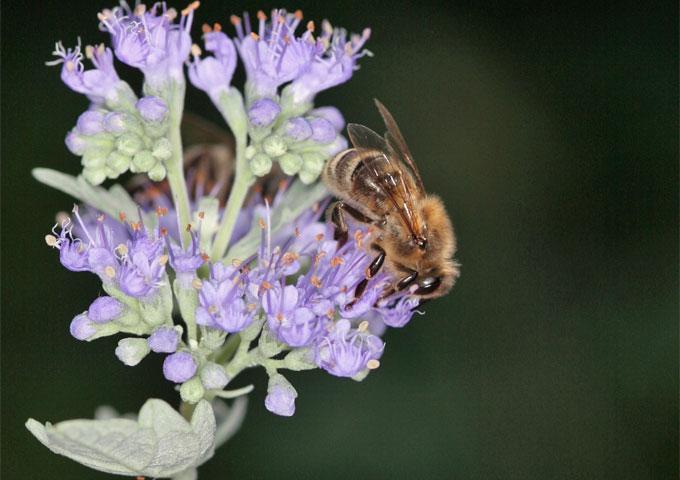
(331, 114)
(192, 391)
(290, 163)
(263, 112)
(131, 351)
(158, 172)
(95, 176)
(261, 164)
(117, 122)
(75, 143)
(105, 309)
(152, 109)
(213, 376)
(274, 146)
(298, 129)
(90, 122)
(281, 396)
(312, 166)
(179, 367)
(94, 158)
(162, 149)
(118, 162)
(129, 144)
(81, 327)
(164, 340)
(143, 161)
(322, 130)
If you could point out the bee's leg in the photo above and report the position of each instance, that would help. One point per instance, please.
(406, 281)
(338, 211)
(371, 272)
(338, 218)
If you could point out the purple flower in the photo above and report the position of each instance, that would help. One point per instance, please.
(273, 55)
(298, 129)
(331, 114)
(399, 315)
(179, 367)
(141, 275)
(220, 301)
(213, 74)
(164, 340)
(99, 84)
(332, 65)
(149, 40)
(345, 352)
(104, 309)
(263, 112)
(281, 396)
(186, 262)
(152, 109)
(81, 327)
(72, 251)
(291, 322)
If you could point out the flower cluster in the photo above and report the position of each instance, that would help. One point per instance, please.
(219, 288)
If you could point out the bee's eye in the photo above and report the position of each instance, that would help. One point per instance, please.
(428, 285)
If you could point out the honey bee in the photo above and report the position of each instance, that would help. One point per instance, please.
(377, 183)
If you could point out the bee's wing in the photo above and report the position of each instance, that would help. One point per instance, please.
(389, 177)
(397, 145)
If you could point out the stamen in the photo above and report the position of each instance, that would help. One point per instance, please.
(298, 14)
(316, 281)
(372, 364)
(235, 20)
(110, 271)
(363, 326)
(188, 227)
(217, 27)
(195, 50)
(254, 35)
(164, 232)
(261, 15)
(212, 309)
(163, 259)
(122, 216)
(201, 215)
(122, 249)
(205, 28)
(197, 283)
(51, 240)
(161, 211)
(190, 8)
(266, 285)
(310, 26)
(337, 261)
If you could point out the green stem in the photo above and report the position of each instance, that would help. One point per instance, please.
(231, 107)
(175, 164)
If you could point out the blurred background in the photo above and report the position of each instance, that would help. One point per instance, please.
(551, 132)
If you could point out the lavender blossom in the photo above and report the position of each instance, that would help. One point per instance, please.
(105, 309)
(345, 352)
(213, 74)
(164, 340)
(179, 367)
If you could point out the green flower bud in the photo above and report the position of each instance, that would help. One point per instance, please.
(129, 144)
(118, 162)
(94, 175)
(313, 162)
(143, 161)
(131, 351)
(250, 152)
(155, 130)
(192, 391)
(162, 149)
(157, 173)
(260, 164)
(111, 173)
(290, 163)
(94, 158)
(274, 146)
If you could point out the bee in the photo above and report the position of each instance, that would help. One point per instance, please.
(377, 183)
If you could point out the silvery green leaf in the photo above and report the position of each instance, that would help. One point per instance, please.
(229, 418)
(296, 200)
(111, 202)
(160, 443)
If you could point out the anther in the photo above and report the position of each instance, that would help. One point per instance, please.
(122, 216)
(363, 326)
(205, 28)
(161, 211)
(205, 256)
(236, 263)
(298, 14)
(337, 261)
(51, 240)
(217, 27)
(140, 9)
(261, 15)
(188, 227)
(195, 50)
(89, 52)
(310, 26)
(262, 224)
(201, 215)
(164, 232)
(372, 364)
(235, 20)
(316, 281)
(163, 259)
(122, 249)
(254, 35)
(319, 237)
(197, 283)
(110, 272)
(190, 8)
(212, 309)
(266, 285)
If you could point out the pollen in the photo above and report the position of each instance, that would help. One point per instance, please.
(310, 26)
(163, 259)
(140, 9)
(122, 249)
(122, 216)
(372, 364)
(298, 14)
(217, 27)
(164, 232)
(358, 238)
(197, 283)
(363, 326)
(316, 281)
(337, 261)
(290, 257)
(319, 237)
(161, 211)
(236, 263)
(235, 20)
(212, 309)
(266, 285)
(261, 223)
(261, 15)
(205, 28)
(190, 8)
(89, 52)
(51, 240)
(110, 271)
(251, 307)
(201, 215)
(254, 35)
(205, 256)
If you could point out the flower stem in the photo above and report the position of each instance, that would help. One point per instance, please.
(230, 105)
(175, 164)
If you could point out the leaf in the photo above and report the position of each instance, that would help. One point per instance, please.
(161, 443)
(297, 199)
(111, 202)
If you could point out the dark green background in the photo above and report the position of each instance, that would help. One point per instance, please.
(551, 131)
